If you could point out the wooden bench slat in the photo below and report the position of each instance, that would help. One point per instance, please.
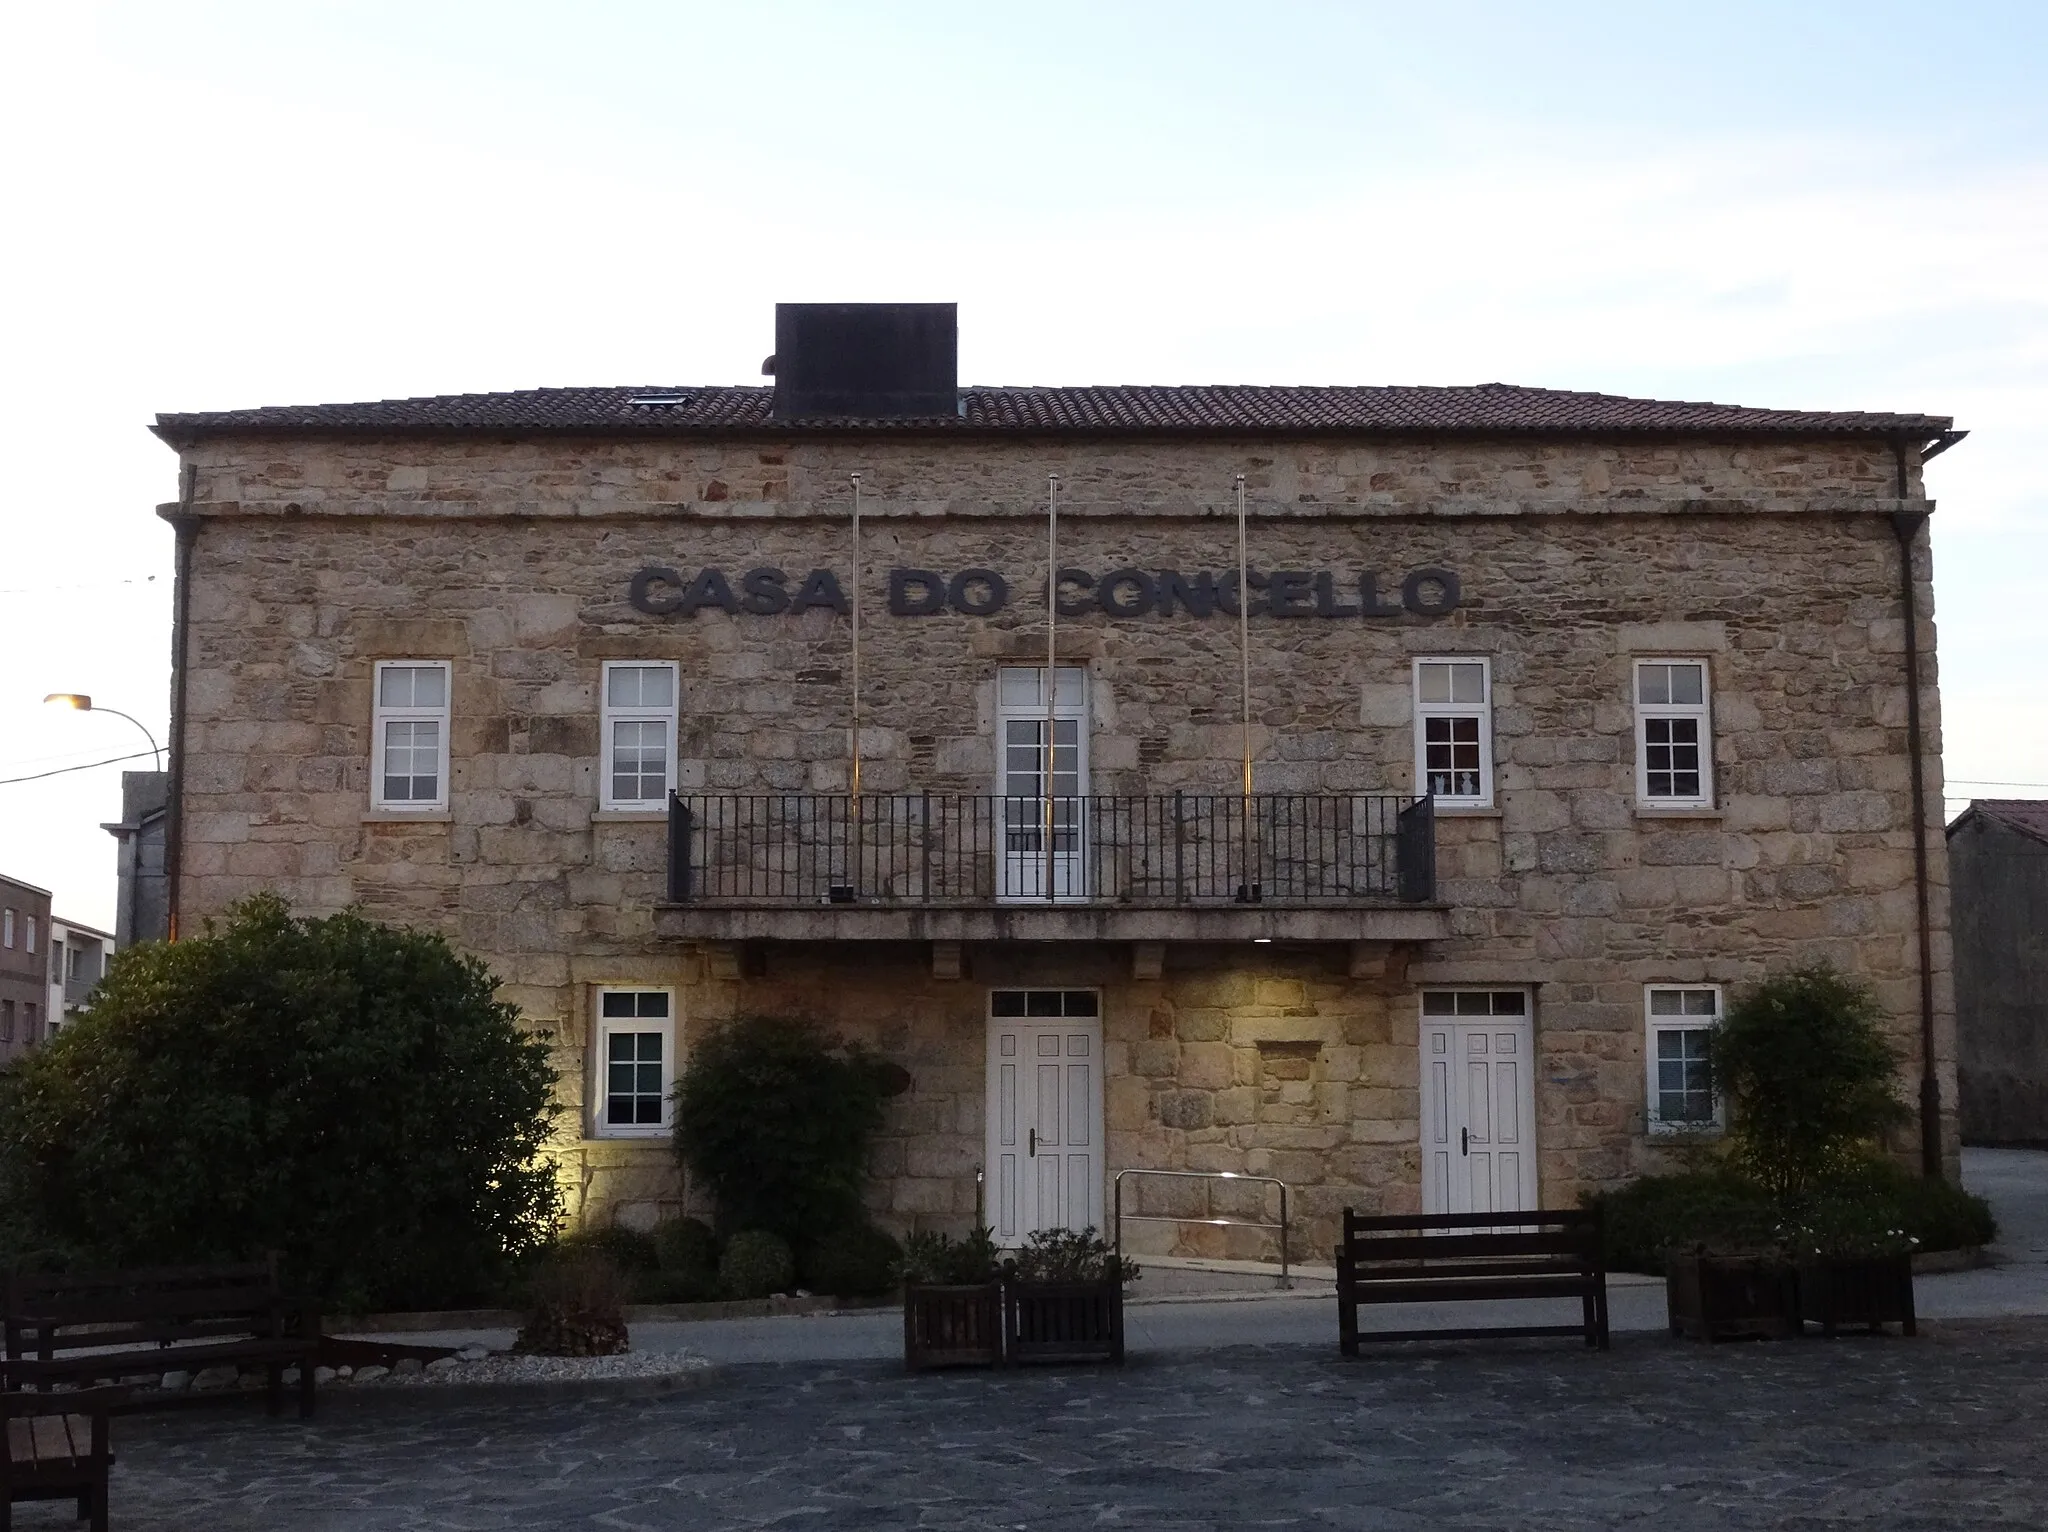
(77, 1309)
(1389, 1247)
(1576, 1218)
(1491, 1266)
(27, 1282)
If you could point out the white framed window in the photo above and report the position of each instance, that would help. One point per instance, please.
(639, 722)
(6, 928)
(28, 927)
(29, 1034)
(6, 1021)
(1674, 737)
(1454, 731)
(635, 1063)
(409, 753)
(1680, 1084)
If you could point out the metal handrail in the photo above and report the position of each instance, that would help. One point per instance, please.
(1154, 850)
(1117, 1191)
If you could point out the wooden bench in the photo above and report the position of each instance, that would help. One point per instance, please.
(55, 1447)
(76, 1328)
(1471, 1257)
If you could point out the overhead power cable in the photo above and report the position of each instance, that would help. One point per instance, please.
(88, 766)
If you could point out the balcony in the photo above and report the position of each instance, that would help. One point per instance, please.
(1146, 868)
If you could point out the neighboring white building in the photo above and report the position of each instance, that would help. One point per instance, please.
(78, 957)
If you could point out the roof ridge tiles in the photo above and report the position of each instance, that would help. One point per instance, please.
(1209, 408)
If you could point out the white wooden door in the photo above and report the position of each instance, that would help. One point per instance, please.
(1478, 1102)
(1044, 1112)
(1042, 829)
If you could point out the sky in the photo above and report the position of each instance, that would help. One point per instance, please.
(208, 206)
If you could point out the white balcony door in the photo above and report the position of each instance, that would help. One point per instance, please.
(1041, 826)
(1044, 1111)
(1478, 1102)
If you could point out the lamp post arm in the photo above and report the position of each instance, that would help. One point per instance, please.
(156, 750)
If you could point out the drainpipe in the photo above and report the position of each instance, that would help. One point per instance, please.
(1906, 527)
(187, 527)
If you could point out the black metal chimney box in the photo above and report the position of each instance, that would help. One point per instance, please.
(867, 361)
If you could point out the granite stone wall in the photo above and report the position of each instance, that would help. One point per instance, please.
(512, 560)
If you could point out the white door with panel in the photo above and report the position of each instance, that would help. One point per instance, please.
(1478, 1102)
(1043, 834)
(1044, 1112)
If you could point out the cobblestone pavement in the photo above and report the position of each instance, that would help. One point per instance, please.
(1945, 1431)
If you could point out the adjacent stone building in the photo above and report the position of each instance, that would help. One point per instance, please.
(1998, 850)
(24, 966)
(1567, 715)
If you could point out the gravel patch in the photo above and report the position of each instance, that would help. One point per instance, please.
(507, 1369)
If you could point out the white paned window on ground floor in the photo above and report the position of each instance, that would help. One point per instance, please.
(635, 1042)
(640, 708)
(1454, 731)
(1681, 1019)
(409, 756)
(1674, 743)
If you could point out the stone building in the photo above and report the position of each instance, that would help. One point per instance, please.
(24, 966)
(1998, 853)
(1567, 714)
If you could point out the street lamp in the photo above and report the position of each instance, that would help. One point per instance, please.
(84, 704)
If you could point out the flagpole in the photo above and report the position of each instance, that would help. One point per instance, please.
(1244, 676)
(1052, 618)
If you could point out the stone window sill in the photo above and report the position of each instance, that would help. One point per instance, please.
(629, 817)
(1467, 813)
(657, 1140)
(1650, 813)
(407, 817)
(1679, 1137)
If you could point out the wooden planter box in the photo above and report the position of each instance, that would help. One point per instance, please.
(953, 1326)
(1718, 1297)
(1063, 1321)
(1869, 1291)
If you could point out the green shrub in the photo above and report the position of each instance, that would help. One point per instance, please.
(775, 1116)
(676, 1286)
(1869, 1205)
(685, 1244)
(629, 1250)
(1809, 1075)
(350, 1094)
(1646, 1219)
(939, 1260)
(756, 1264)
(1070, 1255)
(855, 1262)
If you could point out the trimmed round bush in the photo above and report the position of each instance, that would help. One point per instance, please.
(855, 1262)
(630, 1250)
(686, 1245)
(756, 1264)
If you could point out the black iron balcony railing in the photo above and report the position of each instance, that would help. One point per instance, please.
(949, 849)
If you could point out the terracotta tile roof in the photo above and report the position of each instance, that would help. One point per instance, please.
(2029, 816)
(1487, 409)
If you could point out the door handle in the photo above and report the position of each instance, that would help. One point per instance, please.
(1034, 1143)
(1464, 1140)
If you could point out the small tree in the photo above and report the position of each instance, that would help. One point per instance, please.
(346, 1093)
(775, 1116)
(1807, 1069)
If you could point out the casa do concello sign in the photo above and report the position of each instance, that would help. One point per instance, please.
(767, 592)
